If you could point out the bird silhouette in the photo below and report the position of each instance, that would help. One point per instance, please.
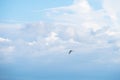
(70, 51)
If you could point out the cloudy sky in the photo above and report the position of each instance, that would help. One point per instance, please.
(36, 35)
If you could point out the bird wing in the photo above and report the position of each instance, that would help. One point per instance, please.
(70, 51)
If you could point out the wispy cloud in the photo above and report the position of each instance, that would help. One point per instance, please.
(4, 40)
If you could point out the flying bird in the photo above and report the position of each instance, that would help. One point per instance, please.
(70, 51)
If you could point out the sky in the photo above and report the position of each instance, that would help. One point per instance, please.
(36, 36)
(27, 10)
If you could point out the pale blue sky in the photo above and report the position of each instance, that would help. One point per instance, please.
(36, 36)
(31, 10)
(27, 10)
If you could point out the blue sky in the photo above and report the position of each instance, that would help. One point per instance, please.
(27, 10)
(36, 35)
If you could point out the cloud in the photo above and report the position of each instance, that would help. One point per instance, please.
(6, 26)
(112, 8)
(6, 50)
(4, 40)
(77, 26)
(42, 47)
(53, 37)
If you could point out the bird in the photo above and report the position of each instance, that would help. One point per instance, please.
(70, 51)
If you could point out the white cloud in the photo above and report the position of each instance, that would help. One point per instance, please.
(81, 6)
(92, 29)
(4, 40)
(76, 26)
(71, 31)
(53, 37)
(112, 33)
(7, 54)
(7, 49)
(4, 26)
(112, 8)
(31, 43)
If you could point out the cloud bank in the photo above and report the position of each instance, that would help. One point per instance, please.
(77, 26)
